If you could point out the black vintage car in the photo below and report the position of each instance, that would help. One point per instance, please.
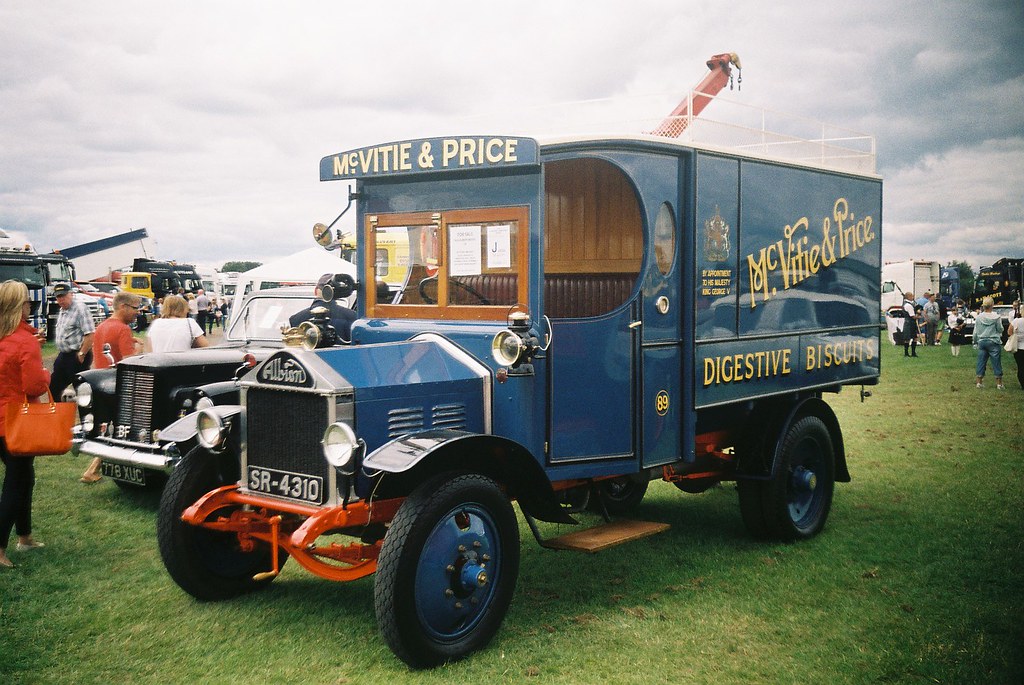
(124, 409)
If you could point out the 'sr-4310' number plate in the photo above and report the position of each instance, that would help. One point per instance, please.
(298, 486)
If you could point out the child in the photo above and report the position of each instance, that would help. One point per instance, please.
(956, 331)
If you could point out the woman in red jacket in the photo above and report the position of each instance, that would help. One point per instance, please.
(21, 374)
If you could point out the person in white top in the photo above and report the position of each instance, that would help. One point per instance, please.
(1017, 326)
(955, 324)
(174, 330)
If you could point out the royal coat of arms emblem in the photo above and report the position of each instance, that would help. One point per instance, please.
(716, 238)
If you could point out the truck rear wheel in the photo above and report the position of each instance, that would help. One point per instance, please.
(447, 570)
(207, 564)
(794, 504)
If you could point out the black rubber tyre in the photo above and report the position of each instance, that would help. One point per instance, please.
(447, 570)
(208, 565)
(620, 495)
(795, 503)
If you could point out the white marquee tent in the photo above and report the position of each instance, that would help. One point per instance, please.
(301, 268)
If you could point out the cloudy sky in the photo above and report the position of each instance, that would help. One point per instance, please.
(204, 122)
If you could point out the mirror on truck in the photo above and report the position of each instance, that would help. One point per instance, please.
(322, 235)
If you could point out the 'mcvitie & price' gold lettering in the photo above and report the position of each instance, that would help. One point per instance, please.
(796, 258)
(449, 153)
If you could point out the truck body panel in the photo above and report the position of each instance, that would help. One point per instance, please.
(771, 288)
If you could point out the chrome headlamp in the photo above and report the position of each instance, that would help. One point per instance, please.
(84, 391)
(211, 431)
(339, 445)
(507, 348)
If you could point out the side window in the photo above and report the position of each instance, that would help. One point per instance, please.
(593, 238)
(665, 238)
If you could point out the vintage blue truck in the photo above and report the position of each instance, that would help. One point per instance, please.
(572, 320)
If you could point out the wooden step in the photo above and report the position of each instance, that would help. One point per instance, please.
(606, 535)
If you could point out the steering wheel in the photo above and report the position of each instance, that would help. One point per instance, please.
(451, 281)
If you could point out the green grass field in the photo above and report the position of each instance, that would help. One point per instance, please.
(917, 578)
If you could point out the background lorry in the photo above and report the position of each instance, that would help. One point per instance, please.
(19, 262)
(1002, 282)
(949, 286)
(154, 279)
(916, 275)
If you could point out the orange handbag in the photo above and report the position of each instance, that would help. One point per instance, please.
(39, 428)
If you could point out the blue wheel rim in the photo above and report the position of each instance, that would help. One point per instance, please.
(457, 573)
(805, 492)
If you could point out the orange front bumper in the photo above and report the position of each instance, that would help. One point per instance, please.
(249, 516)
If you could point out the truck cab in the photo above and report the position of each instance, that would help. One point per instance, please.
(19, 262)
(573, 319)
(155, 279)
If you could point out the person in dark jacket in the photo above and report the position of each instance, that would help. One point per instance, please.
(339, 316)
(21, 374)
(910, 328)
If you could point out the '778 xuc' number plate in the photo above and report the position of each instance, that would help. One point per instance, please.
(284, 484)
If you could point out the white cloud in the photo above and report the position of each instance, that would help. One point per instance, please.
(205, 122)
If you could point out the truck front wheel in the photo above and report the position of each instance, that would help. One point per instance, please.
(207, 564)
(447, 570)
(794, 504)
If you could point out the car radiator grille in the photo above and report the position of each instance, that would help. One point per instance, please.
(284, 430)
(135, 403)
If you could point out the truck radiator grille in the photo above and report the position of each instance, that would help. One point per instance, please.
(284, 429)
(135, 403)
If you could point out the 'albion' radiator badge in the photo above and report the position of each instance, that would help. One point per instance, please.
(284, 369)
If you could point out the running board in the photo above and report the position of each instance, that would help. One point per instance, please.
(604, 536)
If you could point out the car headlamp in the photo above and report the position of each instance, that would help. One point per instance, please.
(310, 335)
(203, 402)
(84, 391)
(339, 445)
(88, 422)
(211, 431)
(507, 348)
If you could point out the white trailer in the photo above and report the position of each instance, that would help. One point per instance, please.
(914, 275)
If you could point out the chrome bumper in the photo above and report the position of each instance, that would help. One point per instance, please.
(155, 458)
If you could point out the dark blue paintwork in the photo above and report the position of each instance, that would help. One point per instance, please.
(626, 390)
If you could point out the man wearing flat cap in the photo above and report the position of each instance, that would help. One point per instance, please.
(73, 338)
(340, 317)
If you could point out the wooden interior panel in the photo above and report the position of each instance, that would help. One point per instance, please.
(592, 219)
